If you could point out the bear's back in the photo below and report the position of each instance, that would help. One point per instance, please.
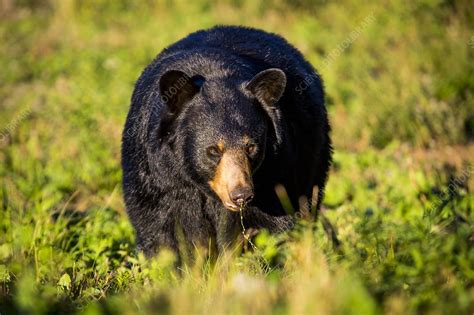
(261, 48)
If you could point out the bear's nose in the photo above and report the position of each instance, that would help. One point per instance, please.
(241, 195)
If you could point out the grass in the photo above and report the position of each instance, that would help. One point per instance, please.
(400, 92)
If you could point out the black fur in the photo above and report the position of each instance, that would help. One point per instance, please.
(200, 89)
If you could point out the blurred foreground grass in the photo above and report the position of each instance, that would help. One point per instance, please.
(400, 84)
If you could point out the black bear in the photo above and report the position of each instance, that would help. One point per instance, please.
(217, 121)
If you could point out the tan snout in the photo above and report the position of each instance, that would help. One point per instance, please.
(233, 180)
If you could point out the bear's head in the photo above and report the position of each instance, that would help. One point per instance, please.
(220, 129)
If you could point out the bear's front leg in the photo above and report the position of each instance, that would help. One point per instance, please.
(228, 229)
(255, 218)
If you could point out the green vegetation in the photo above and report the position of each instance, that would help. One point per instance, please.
(400, 85)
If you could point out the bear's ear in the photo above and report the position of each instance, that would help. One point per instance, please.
(268, 87)
(176, 88)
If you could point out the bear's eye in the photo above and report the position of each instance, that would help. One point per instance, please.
(213, 152)
(251, 149)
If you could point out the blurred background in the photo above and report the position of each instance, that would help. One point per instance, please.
(393, 70)
(399, 78)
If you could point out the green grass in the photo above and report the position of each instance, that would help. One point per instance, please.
(401, 104)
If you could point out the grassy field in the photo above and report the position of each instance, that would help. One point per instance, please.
(399, 77)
